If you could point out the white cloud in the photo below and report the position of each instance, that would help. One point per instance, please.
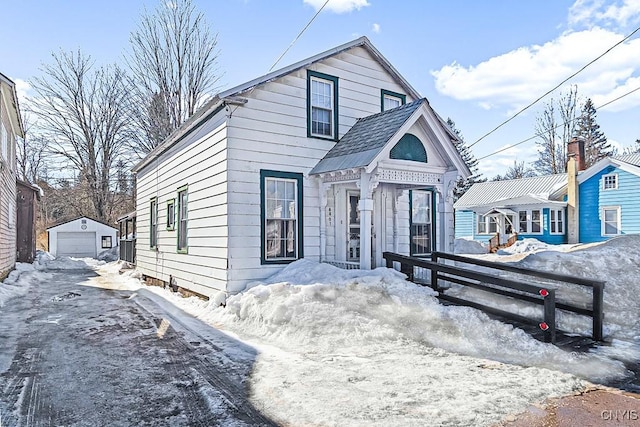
(598, 12)
(375, 28)
(498, 164)
(514, 79)
(338, 6)
(22, 89)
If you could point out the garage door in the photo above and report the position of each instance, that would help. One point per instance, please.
(77, 244)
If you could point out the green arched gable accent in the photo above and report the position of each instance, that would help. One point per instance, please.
(409, 148)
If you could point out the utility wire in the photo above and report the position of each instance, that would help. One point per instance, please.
(558, 126)
(556, 87)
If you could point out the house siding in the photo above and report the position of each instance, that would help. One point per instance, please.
(202, 166)
(464, 224)
(7, 197)
(592, 199)
(270, 132)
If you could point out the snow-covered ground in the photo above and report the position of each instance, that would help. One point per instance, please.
(340, 347)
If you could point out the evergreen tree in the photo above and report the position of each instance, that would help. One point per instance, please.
(462, 185)
(596, 146)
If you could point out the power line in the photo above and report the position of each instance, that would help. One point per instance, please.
(556, 87)
(558, 126)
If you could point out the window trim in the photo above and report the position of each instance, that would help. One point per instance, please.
(618, 222)
(102, 242)
(556, 221)
(433, 220)
(609, 175)
(529, 213)
(387, 93)
(185, 249)
(487, 222)
(334, 81)
(264, 174)
(172, 226)
(153, 231)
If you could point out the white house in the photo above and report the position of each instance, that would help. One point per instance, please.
(10, 128)
(335, 158)
(81, 237)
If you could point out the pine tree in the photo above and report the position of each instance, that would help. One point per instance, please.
(596, 146)
(462, 185)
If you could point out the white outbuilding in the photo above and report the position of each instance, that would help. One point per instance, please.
(81, 237)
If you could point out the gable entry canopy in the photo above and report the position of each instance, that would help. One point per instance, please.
(380, 149)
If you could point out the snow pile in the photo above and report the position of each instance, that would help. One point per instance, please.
(110, 255)
(524, 246)
(46, 261)
(469, 246)
(19, 281)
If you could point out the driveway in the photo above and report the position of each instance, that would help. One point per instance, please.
(73, 353)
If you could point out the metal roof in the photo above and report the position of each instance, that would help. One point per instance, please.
(493, 192)
(366, 138)
(633, 159)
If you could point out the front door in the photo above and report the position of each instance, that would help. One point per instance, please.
(353, 229)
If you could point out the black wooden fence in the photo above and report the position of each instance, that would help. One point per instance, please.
(528, 289)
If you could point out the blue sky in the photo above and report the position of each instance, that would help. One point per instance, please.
(477, 62)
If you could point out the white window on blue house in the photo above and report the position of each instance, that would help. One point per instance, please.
(556, 221)
(611, 221)
(610, 181)
(530, 222)
(487, 225)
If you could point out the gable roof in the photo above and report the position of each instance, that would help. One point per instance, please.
(220, 100)
(77, 218)
(532, 189)
(366, 138)
(8, 89)
(628, 162)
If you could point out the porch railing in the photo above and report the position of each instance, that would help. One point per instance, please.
(128, 250)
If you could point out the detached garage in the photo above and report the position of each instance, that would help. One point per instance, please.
(81, 238)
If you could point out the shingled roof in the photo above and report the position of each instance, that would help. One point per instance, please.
(364, 141)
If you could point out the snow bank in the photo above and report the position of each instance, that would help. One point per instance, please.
(110, 255)
(19, 280)
(469, 246)
(46, 261)
(523, 246)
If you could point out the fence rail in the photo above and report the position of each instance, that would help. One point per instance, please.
(522, 289)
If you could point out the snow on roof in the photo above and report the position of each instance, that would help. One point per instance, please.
(490, 192)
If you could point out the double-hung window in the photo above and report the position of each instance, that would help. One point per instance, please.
(153, 229)
(391, 100)
(322, 105)
(556, 221)
(610, 181)
(487, 224)
(182, 219)
(536, 221)
(106, 242)
(530, 222)
(281, 216)
(611, 223)
(4, 142)
(421, 222)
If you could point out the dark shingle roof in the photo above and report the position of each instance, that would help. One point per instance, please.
(364, 141)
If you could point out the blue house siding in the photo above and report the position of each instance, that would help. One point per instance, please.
(593, 199)
(464, 224)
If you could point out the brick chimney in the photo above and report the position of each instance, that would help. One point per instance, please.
(575, 149)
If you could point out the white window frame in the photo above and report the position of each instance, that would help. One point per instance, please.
(388, 97)
(612, 178)
(421, 219)
(530, 222)
(331, 110)
(4, 142)
(603, 223)
(557, 218)
(487, 222)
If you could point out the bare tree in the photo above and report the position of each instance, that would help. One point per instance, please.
(555, 126)
(31, 150)
(84, 113)
(173, 62)
(517, 171)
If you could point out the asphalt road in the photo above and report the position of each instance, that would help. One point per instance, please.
(73, 354)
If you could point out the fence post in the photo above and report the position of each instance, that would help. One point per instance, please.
(598, 315)
(434, 272)
(388, 260)
(550, 316)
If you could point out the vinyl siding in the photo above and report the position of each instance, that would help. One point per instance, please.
(7, 198)
(593, 199)
(464, 224)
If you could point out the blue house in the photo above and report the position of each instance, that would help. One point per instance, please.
(607, 204)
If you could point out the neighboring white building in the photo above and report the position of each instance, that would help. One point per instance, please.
(335, 158)
(10, 128)
(81, 237)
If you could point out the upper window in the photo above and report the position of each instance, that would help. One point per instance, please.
(389, 100)
(153, 229)
(610, 181)
(4, 141)
(611, 221)
(556, 221)
(322, 105)
(421, 222)
(106, 242)
(409, 148)
(182, 219)
(171, 215)
(281, 216)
